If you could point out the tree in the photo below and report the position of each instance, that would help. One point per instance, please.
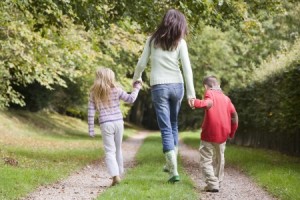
(45, 57)
(100, 14)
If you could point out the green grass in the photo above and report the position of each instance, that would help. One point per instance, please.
(191, 138)
(277, 173)
(47, 146)
(147, 181)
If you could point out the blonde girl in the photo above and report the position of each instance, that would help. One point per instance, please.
(105, 98)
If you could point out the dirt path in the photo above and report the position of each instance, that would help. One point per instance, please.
(92, 180)
(235, 185)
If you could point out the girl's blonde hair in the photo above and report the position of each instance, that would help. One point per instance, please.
(101, 89)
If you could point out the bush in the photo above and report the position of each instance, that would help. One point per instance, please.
(269, 114)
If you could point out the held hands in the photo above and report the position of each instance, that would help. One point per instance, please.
(191, 102)
(137, 84)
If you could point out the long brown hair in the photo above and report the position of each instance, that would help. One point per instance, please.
(172, 28)
(101, 89)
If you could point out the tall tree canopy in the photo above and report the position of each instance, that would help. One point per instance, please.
(53, 43)
(49, 50)
(100, 13)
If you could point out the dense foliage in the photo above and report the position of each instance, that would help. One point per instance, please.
(49, 51)
(269, 106)
(46, 43)
(233, 55)
(46, 58)
(54, 66)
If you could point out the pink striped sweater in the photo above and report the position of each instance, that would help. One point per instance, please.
(113, 112)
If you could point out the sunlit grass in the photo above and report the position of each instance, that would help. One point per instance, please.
(47, 147)
(191, 138)
(36, 167)
(277, 64)
(277, 173)
(147, 181)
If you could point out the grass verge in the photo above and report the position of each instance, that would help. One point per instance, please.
(147, 181)
(46, 147)
(277, 173)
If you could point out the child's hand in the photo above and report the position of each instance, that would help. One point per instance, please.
(191, 103)
(137, 84)
(92, 135)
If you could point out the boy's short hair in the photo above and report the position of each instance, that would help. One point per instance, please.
(210, 81)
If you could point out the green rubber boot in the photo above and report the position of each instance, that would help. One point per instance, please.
(171, 159)
(166, 167)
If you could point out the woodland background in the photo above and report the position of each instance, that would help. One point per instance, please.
(49, 50)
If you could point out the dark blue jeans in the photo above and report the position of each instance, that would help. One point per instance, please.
(167, 99)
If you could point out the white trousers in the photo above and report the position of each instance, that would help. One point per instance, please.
(112, 135)
(212, 163)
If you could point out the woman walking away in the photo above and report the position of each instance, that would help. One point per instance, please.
(105, 97)
(165, 48)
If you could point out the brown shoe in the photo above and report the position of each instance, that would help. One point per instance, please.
(116, 180)
(207, 189)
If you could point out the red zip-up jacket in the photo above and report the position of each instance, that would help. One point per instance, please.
(217, 125)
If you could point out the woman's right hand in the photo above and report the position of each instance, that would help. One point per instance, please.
(191, 102)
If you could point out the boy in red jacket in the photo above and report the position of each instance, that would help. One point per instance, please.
(220, 122)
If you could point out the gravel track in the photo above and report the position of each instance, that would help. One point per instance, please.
(90, 181)
(235, 186)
